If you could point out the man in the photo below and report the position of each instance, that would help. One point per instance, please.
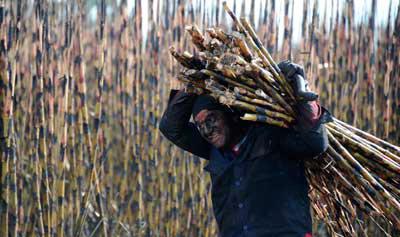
(259, 187)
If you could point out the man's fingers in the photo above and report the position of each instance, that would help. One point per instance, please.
(299, 69)
(294, 73)
(289, 69)
(301, 89)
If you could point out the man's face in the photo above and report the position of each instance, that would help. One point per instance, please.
(213, 127)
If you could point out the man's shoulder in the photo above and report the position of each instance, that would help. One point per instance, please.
(260, 129)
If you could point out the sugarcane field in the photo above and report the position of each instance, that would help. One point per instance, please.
(200, 118)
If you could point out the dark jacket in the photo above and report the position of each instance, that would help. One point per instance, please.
(263, 191)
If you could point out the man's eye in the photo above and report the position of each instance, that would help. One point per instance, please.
(210, 119)
(213, 116)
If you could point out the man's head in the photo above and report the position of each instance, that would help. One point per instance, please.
(212, 121)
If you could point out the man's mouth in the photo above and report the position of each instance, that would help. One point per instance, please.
(216, 139)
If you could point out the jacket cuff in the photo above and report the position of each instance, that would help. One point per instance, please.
(311, 115)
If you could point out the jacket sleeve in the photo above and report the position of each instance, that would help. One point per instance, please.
(177, 128)
(308, 138)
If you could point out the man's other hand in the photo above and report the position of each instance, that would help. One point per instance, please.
(294, 73)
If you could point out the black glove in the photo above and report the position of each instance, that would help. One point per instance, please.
(294, 73)
(308, 110)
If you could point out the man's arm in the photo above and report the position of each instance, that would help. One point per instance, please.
(308, 138)
(175, 125)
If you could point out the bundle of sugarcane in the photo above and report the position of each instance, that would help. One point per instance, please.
(355, 181)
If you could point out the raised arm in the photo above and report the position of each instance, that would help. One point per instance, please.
(308, 138)
(177, 128)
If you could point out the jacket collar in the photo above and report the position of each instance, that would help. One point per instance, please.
(218, 157)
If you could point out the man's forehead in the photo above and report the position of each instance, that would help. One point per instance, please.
(201, 116)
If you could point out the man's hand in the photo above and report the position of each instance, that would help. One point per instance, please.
(294, 73)
(308, 110)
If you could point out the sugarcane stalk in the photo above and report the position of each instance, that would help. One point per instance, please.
(244, 92)
(367, 151)
(370, 137)
(371, 187)
(226, 80)
(229, 72)
(266, 97)
(274, 94)
(252, 34)
(4, 140)
(357, 166)
(259, 102)
(375, 167)
(186, 59)
(193, 75)
(242, 45)
(226, 71)
(266, 57)
(8, 161)
(16, 197)
(192, 85)
(393, 189)
(266, 75)
(263, 119)
(247, 81)
(231, 59)
(250, 40)
(222, 36)
(367, 143)
(254, 108)
(92, 150)
(76, 165)
(194, 61)
(197, 37)
(361, 200)
(41, 121)
(336, 200)
(60, 182)
(59, 197)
